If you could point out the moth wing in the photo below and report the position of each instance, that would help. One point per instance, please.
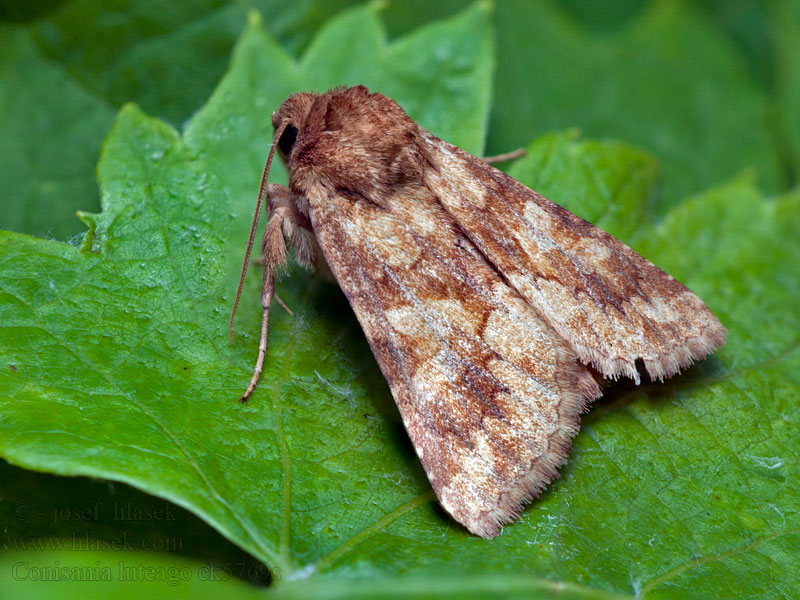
(610, 304)
(489, 394)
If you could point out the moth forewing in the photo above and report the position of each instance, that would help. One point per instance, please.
(609, 303)
(482, 301)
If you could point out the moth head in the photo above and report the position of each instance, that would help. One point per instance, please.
(289, 120)
(362, 144)
(341, 110)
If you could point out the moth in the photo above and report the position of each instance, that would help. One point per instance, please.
(491, 311)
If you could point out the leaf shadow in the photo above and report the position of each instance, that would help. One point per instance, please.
(50, 512)
(334, 309)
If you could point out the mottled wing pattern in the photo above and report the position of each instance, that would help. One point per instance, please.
(489, 394)
(610, 304)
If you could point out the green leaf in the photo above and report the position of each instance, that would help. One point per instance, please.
(669, 82)
(50, 134)
(786, 18)
(747, 23)
(690, 88)
(608, 183)
(184, 46)
(114, 362)
(50, 521)
(63, 76)
(97, 574)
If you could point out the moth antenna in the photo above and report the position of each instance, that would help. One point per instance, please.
(261, 193)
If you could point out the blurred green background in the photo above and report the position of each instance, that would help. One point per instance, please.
(710, 88)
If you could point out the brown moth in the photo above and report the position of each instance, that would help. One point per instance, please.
(484, 303)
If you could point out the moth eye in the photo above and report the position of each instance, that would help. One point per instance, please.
(288, 137)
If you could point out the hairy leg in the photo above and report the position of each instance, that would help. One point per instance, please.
(285, 223)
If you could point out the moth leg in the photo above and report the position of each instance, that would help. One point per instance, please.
(274, 257)
(297, 230)
(498, 158)
(283, 304)
(259, 260)
(295, 226)
(285, 222)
